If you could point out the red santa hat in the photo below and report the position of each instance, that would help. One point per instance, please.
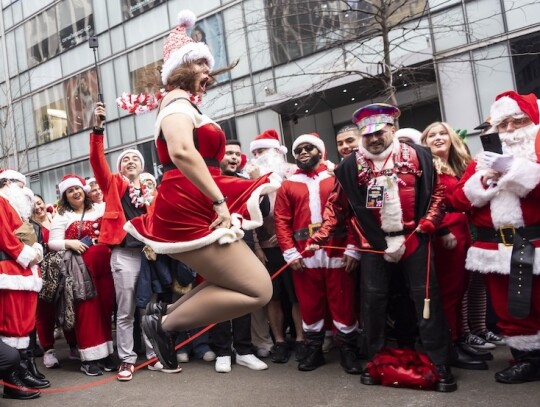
(510, 103)
(408, 132)
(179, 48)
(147, 176)
(90, 181)
(311, 138)
(267, 139)
(12, 174)
(129, 151)
(72, 180)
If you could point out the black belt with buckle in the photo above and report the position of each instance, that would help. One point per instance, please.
(304, 234)
(405, 231)
(4, 256)
(521, 263)
(210, 162)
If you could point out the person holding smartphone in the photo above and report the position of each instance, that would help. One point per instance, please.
(74, 228)
(502, 193)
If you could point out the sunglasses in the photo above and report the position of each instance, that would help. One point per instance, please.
(308, 147)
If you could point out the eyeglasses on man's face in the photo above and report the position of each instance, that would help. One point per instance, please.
(513, 123)
(308, 147)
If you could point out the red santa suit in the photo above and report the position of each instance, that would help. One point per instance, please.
(298, 214)
(19, 282)
(507, 250)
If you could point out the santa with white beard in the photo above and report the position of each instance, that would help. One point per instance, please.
(502, 194)
(20, 280)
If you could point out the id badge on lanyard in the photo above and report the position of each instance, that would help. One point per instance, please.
(375, 196)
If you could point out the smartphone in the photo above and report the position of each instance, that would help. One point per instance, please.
(491, 142)
(93, 42)
(87, 240)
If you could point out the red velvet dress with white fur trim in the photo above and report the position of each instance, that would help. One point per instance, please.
(179, 218)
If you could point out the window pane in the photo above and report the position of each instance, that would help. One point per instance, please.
(521, 13)
(76, 22)
(449, 29)
(81, 95)
(132, 8)
(144, 66)
(485, 19)
(525, 51)
(42, 37)
(50, 114)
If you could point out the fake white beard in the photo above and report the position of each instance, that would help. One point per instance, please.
(22, 200)
(270, 161)
(520, 143)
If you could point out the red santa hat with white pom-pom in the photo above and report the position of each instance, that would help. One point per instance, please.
(72, 180)
(179, 48)
(267, 139)
(311, 138)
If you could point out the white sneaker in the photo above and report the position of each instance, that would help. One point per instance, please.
(50, 360)
(158, 367)
(251, 361)
(209, 356)
(182, 357)
(223, 364)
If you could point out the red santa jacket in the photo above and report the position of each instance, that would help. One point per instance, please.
(298, 213)
(15, 274)
(512, 201)
(114, 186)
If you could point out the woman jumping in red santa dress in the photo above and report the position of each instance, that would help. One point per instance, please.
(191, 216)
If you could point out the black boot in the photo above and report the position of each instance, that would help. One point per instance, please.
(526, 368)
(462, 360)
(368, 379)
(28, 379)
(350, 356)
(314, 355)
(21, 393)
(28, 357)
(447, 382)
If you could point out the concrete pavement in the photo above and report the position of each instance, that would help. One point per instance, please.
(280, 385)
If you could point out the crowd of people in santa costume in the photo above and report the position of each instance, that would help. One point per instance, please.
(395, 254)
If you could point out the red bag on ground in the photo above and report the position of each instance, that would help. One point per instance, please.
(403, 368)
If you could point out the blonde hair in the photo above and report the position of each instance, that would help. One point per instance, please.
(458, 156)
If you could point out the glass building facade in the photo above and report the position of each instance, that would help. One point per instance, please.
(303, 66)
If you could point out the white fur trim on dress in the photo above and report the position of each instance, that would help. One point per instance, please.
(220, 235)
(27, 254)
(495, 261)
(524, 342)
(475, 192)
(188, 53)
(96, 352)
(21, 342)
(522, 178)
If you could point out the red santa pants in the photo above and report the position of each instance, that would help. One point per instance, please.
(497, 286)
(453, 279)
(322, 289)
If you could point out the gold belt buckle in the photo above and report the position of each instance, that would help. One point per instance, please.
(512, 230)
(313, 227)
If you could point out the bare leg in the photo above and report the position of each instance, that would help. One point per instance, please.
(236, 284)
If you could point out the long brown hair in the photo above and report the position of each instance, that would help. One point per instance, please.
(458, 156)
